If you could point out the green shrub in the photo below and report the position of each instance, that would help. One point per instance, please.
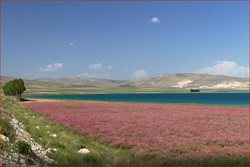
(23, 148)
(8, 130)
(14, 88)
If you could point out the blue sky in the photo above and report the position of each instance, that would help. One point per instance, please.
(122, 40)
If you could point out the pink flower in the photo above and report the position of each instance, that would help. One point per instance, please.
(170, 131)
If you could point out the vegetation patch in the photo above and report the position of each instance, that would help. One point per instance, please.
(7, 130)
(68, 140)
(155, 128)
(23, 147)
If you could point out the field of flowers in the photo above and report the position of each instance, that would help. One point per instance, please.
(169, 131)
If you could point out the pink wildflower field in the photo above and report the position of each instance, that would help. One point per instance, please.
(169, 131)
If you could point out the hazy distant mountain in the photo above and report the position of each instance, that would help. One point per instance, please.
(27, 81)
(82, 81)
(181, 80)
(190, 80)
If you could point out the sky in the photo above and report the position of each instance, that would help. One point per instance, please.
(124, 40)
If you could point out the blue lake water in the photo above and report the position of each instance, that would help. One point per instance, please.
(228, 99)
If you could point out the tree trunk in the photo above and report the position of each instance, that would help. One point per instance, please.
(17, 97)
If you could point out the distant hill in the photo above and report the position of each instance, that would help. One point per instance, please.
(170, 82)
(81, 81)
(190, 80)
(68, 85)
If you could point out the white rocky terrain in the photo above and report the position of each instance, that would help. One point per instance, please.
(229, 85)
(181, 84)
(190, 80)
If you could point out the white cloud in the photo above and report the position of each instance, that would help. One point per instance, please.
(225, 67)
(99, 66)
(155, 20)
(96, 66)
(52, 67)
(88, 75)
(139, 74)
(71, 43)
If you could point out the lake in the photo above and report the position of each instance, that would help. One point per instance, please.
(228, 99)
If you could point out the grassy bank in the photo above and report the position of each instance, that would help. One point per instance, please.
(67, 141)
(43, 88)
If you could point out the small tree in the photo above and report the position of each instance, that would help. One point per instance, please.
(14, 88)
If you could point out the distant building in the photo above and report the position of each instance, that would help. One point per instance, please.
(194, 90)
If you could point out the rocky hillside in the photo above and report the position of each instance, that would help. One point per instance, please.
(17, 145)
(189, 80)
(181, 80)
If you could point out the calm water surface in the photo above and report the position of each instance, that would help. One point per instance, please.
(228, 99)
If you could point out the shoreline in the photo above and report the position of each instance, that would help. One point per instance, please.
(38, 100)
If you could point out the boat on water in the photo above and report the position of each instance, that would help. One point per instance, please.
(194, 90)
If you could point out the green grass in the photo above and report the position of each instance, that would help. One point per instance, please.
(101, 154)
(8, 130)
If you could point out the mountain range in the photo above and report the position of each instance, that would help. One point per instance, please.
(167, 81)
